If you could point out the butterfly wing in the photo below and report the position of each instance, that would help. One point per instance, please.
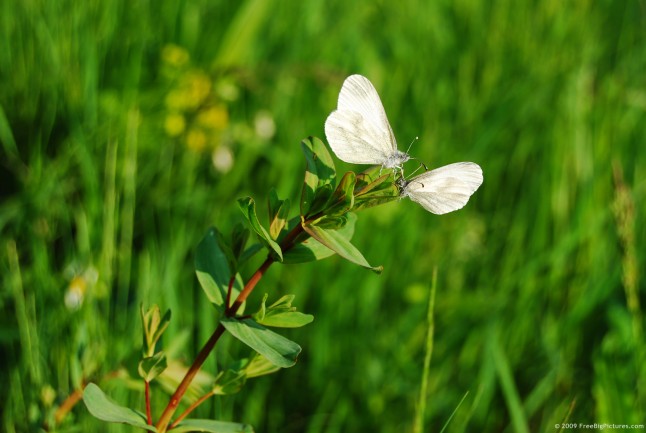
(358, 131)
(445, 189)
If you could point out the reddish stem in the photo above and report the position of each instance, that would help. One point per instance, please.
(248, 288)
(162, 424)
(68, 404)
(149, 416)
(190, 409)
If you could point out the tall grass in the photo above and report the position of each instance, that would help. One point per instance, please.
(535, 315)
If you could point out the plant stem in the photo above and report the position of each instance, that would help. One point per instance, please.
(68, 404)
(162, 424)
(191, 408)
(248, 288)
(164, 420)
(149, 416)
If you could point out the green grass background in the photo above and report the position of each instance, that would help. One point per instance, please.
(537, 314)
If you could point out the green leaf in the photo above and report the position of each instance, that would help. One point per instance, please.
(337, 242)
(311, 249)
(287, 319)
(151, 367)
(154, 326)
(371, 177)
(259, 366)
(330, 222)
(249, 253)
(319, 176)
(239, 238)
(229, 382)
(248, 208)
(373, 188)
(281, 314)
(207, 425)
(278, 214)
(213, 272)
(277, 349)
(342, 199)
(104, 408)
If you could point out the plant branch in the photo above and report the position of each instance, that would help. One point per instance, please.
(68, 404)
(191, 408)
(162, 424)
(164, 420)
(248, 288)
(149, 416)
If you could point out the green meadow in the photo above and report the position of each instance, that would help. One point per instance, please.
(128, 128)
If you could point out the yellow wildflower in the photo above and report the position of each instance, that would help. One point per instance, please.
(174, 55)
(215, 117)
(196, 140)
(174, 124)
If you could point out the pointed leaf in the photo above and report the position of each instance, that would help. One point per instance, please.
(104, 408)
(338, 243)
(239, 238)
(213, 272)
(278, 214)
(371, 177)
(373, 188)
(260, 366)
(154, 326)
(330, 222)
(281, 314)
(248, 207)
(207, 425)
(287, 319)
(342, 199)
(319, 176)
(311, 249)
(249, 253)
(151, 367)
(276, 348)
(229, 382)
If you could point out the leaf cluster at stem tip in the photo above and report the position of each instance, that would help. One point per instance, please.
(325, 223)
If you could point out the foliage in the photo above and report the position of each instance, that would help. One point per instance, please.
(102, 205)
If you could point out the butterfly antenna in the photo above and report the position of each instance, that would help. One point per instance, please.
(411, 144)
(416, 159)
(420, 166)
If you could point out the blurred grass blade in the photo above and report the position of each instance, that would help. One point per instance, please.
(104, 408)
(277, 349)
(6, 135)
(430, 319)
(448, 421)
(506, 379)
(239, 40)
(207, 425)
(337, 242)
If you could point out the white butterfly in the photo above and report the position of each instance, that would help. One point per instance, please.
(444, 189)
(358, 131)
